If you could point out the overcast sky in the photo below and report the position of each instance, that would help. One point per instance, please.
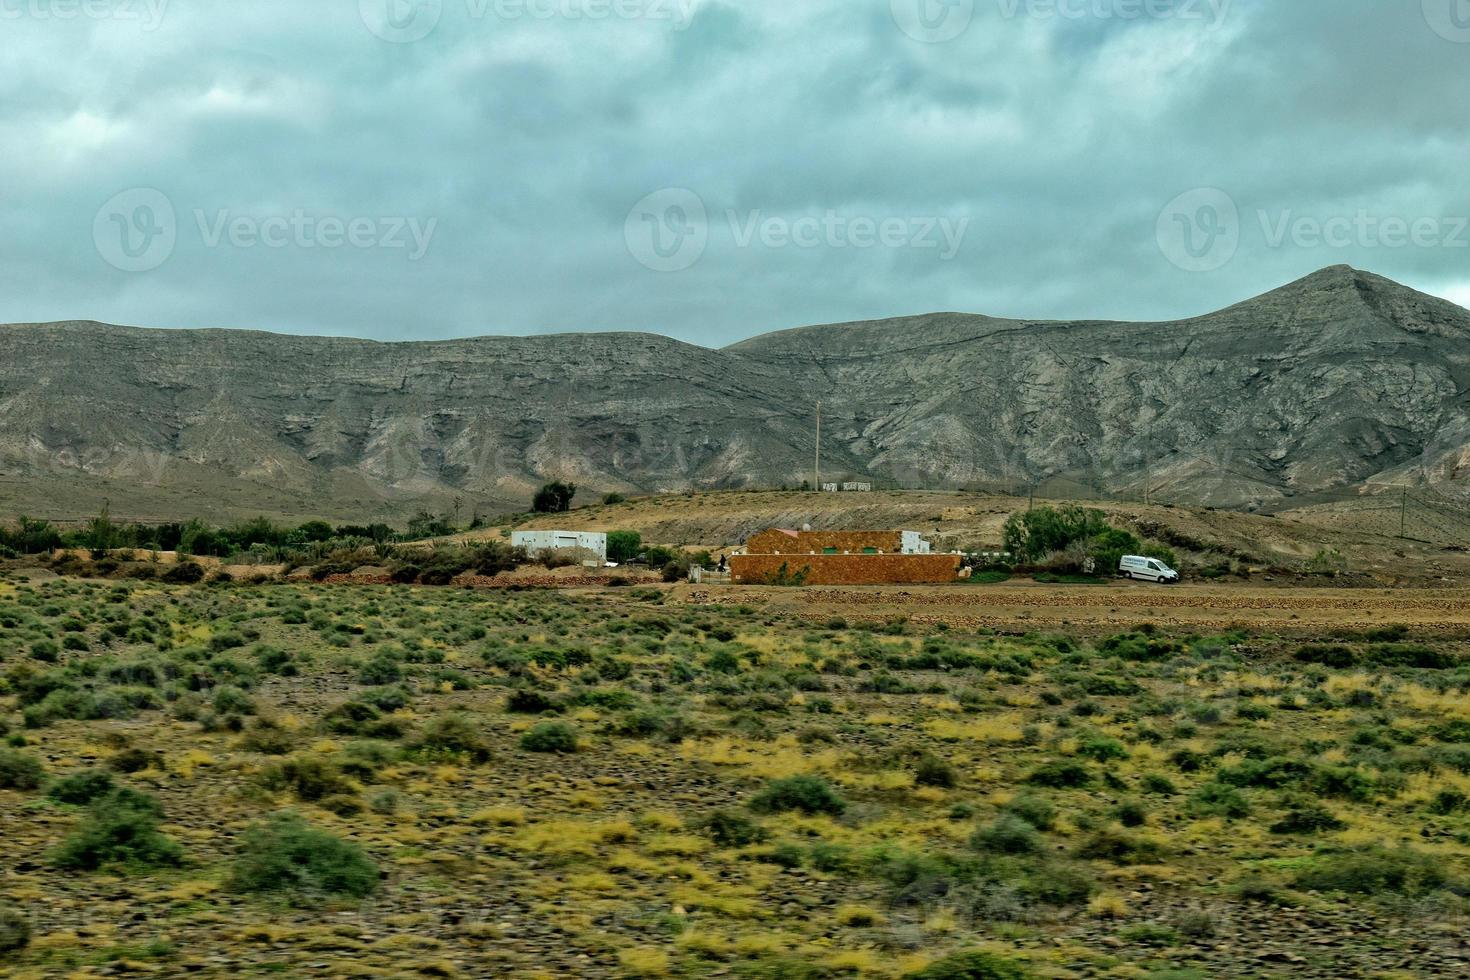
(411, 169)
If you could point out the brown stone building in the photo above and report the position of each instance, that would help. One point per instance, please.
(841, 558)
(777, 541)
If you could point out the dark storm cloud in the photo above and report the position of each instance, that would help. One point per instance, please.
(473, 166)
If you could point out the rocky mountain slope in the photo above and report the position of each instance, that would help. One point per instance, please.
(1336, 381)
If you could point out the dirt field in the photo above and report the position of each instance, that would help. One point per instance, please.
(1029, 606)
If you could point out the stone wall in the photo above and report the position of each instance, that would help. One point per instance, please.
(807, 542)
(847, 569)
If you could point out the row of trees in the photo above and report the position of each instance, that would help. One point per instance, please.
(102, 534)
(1068, 536)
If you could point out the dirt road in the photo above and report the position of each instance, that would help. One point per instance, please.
(1103, 607)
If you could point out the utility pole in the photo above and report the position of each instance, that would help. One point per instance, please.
(1148, 466)
(1404, 513)
(817, 470)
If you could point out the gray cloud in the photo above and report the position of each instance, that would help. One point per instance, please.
(1056, 132)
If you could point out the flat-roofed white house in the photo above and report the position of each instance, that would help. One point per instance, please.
(539, 542)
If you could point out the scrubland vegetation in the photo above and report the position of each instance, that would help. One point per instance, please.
(308, 780)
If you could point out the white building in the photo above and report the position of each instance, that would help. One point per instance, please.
(538, 542)
(914, 544)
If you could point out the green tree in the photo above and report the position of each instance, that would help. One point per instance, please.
(312, 531)
(426, 525)
(554, 498)
(101, 535)
(623, 546)
(199, 538)
(1037, 533)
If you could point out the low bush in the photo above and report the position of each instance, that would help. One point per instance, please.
(310, 778)
(970, 966)
(528, 702)
(20, 770)
(82, 787)
(1119, 848)
(805, 794)
(1036, 811)
(550, 736)
(1009, 834)
(1061, 774)
(934, 771)
(120, 830)
(1374, 871)
(15, 930)
(729, 828)
(454, 734)
(1219, 800)
(287, 855)
(1305, 817)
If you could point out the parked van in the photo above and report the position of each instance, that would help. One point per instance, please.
(1147, 569)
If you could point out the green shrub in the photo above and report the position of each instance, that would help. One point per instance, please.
(82, 787)
(1336, 656)
(1219, 800)
(45, 651)
(454, 734)
(528, 702)
(309, 778)
(1059, 885)
(1119, 848)
(1374, 871)
(120, 830)
(287, 855)
(1038, 812)
(934, 771)
(233, 701)
(1149, 934)
(1131, 813)
(1140, 647)
(1411, 655)
(15, 930)
(380, 671)
(550, 736)
(806, 794)
(1009, 834)
(729, 828)
(1305, 817)
(1061, 774)
(20, 770)
(1101, 748)
(970, 966)
(1448, 801)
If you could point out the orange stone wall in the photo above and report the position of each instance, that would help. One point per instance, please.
(848, 569)
(806, 542)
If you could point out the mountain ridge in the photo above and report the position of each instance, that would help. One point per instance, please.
(1339, 380)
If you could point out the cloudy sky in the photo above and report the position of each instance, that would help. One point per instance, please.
(712, 169)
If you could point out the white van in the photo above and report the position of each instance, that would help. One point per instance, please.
(1147, 569)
